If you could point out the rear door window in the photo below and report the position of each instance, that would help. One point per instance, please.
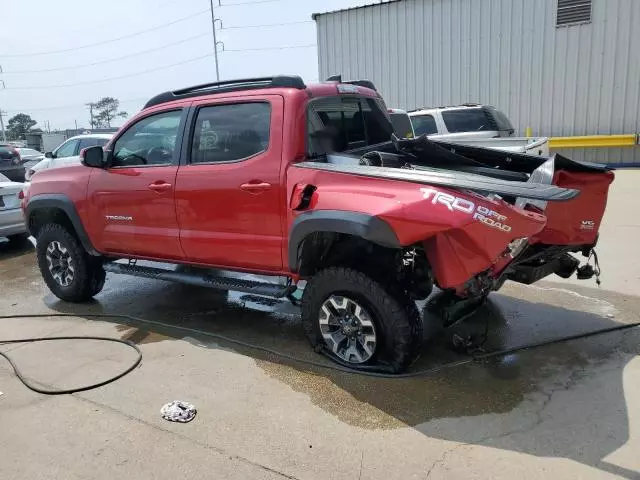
(424, 125)
(466, 120)
(231, 133)
(337, 124)
(92, 142)
(86, 143)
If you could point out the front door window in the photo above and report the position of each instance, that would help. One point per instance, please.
(151, 141)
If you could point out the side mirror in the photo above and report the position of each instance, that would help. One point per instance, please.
(48, 155)
(94, 157)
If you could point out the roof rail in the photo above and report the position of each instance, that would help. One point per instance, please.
(359, 83)
(446, 106)
(278, 81)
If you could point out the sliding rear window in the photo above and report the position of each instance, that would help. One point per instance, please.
(338, 124)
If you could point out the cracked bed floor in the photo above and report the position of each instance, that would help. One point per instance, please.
(567, 411)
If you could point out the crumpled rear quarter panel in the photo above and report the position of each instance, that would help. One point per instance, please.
(457, 244)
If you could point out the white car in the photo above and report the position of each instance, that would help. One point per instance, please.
(464, 121)
(11, 219)
(473, 125)
(68, 153)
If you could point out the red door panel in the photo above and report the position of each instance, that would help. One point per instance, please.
(132, 203)
(133, 211)
(229, 209)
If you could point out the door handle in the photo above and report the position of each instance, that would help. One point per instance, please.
(160, 186)
(255, 187)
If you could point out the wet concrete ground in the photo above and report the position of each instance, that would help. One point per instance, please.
(563, 411)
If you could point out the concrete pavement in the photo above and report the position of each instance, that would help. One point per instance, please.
(567, 411)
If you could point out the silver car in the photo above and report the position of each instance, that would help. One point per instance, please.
(29, 156)
(11, 217)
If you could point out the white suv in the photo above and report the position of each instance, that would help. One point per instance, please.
(68, 153)
(468, 121)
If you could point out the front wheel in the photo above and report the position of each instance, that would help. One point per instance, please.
(359, 320)
(69, 272)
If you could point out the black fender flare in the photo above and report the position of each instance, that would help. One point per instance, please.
(65, 204)
(368, 227)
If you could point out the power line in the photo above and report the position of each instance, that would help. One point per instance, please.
(131, 35)
(43, 87)
(69, 106)
(265, 25)
(248, 3)
(285, 47)
(115, 59)
(101, 80)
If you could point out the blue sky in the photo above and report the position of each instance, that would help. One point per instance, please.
(50, 88)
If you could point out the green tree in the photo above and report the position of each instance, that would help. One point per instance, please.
(19, 125)
(105, 110)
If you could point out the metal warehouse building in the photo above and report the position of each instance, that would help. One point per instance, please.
(562, 67)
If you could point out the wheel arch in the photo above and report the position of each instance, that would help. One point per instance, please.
(56, 208)
(324, 225)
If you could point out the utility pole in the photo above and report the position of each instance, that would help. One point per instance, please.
(91, 122)
(4, 135)
(215, 41)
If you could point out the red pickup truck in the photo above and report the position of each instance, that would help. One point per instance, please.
(274, 177)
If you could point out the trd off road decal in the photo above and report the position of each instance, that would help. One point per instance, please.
(489, 217)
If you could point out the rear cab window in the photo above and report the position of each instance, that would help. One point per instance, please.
(401, 124)
(342, 123)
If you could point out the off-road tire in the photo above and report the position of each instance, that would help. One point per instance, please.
(89, 276)
(396, 318)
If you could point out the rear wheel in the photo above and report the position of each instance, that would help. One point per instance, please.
(69, 272)
(360, 321)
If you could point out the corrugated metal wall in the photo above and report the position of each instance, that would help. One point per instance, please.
(576, 80)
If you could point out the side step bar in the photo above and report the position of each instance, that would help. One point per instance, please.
(203, 278)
